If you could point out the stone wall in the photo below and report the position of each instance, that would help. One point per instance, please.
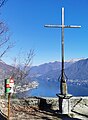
(35, 101)
(38, 102)
(78, 105)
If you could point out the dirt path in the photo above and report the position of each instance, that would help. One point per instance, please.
(33, 113)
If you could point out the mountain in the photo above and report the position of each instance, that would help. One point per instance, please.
(49, 84)
(47, 76)
(49, 67)
(76, 70)
(44, 68)
(5, 70)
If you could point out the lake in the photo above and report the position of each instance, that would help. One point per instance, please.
(50, 89)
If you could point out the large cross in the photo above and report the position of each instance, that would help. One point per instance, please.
(63, 85)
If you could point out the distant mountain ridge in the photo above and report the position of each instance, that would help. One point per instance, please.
(74, 69)
(5, 70)
(78, 70)
(46, 75)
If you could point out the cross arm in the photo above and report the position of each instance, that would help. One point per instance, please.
(62, 26)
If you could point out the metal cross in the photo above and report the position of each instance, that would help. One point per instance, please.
(63, 85)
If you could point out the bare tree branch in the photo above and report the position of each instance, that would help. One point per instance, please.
(21, 70)
(4, 35)
(5, 51)
(2, 2)
(3, 28)
(4, 41)
(28, 60)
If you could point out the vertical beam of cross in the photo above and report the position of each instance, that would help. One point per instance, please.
(62, 45)
(63, 84)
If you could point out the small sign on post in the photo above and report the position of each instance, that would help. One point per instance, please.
(9, 85)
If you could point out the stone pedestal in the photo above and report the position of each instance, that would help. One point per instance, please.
(64, 104)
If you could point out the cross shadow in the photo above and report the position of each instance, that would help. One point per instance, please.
(3, 116)
(80, 113)
(46, 109)
(73, 110)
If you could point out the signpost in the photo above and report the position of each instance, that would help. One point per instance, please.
(9, 84)
(7, 88)
(9, 106)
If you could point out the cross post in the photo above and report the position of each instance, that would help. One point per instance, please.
(63, 84)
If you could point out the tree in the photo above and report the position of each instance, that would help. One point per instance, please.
(21, 68)
(4, 35)
(21, 71)
(5, 44)
(22, 65)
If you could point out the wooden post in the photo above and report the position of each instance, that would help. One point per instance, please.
(8, 106)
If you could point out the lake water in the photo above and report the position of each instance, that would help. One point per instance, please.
(50, 89)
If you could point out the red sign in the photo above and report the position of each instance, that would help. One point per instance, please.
(7, 86)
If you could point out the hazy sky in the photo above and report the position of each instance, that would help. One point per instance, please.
(26, 20)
